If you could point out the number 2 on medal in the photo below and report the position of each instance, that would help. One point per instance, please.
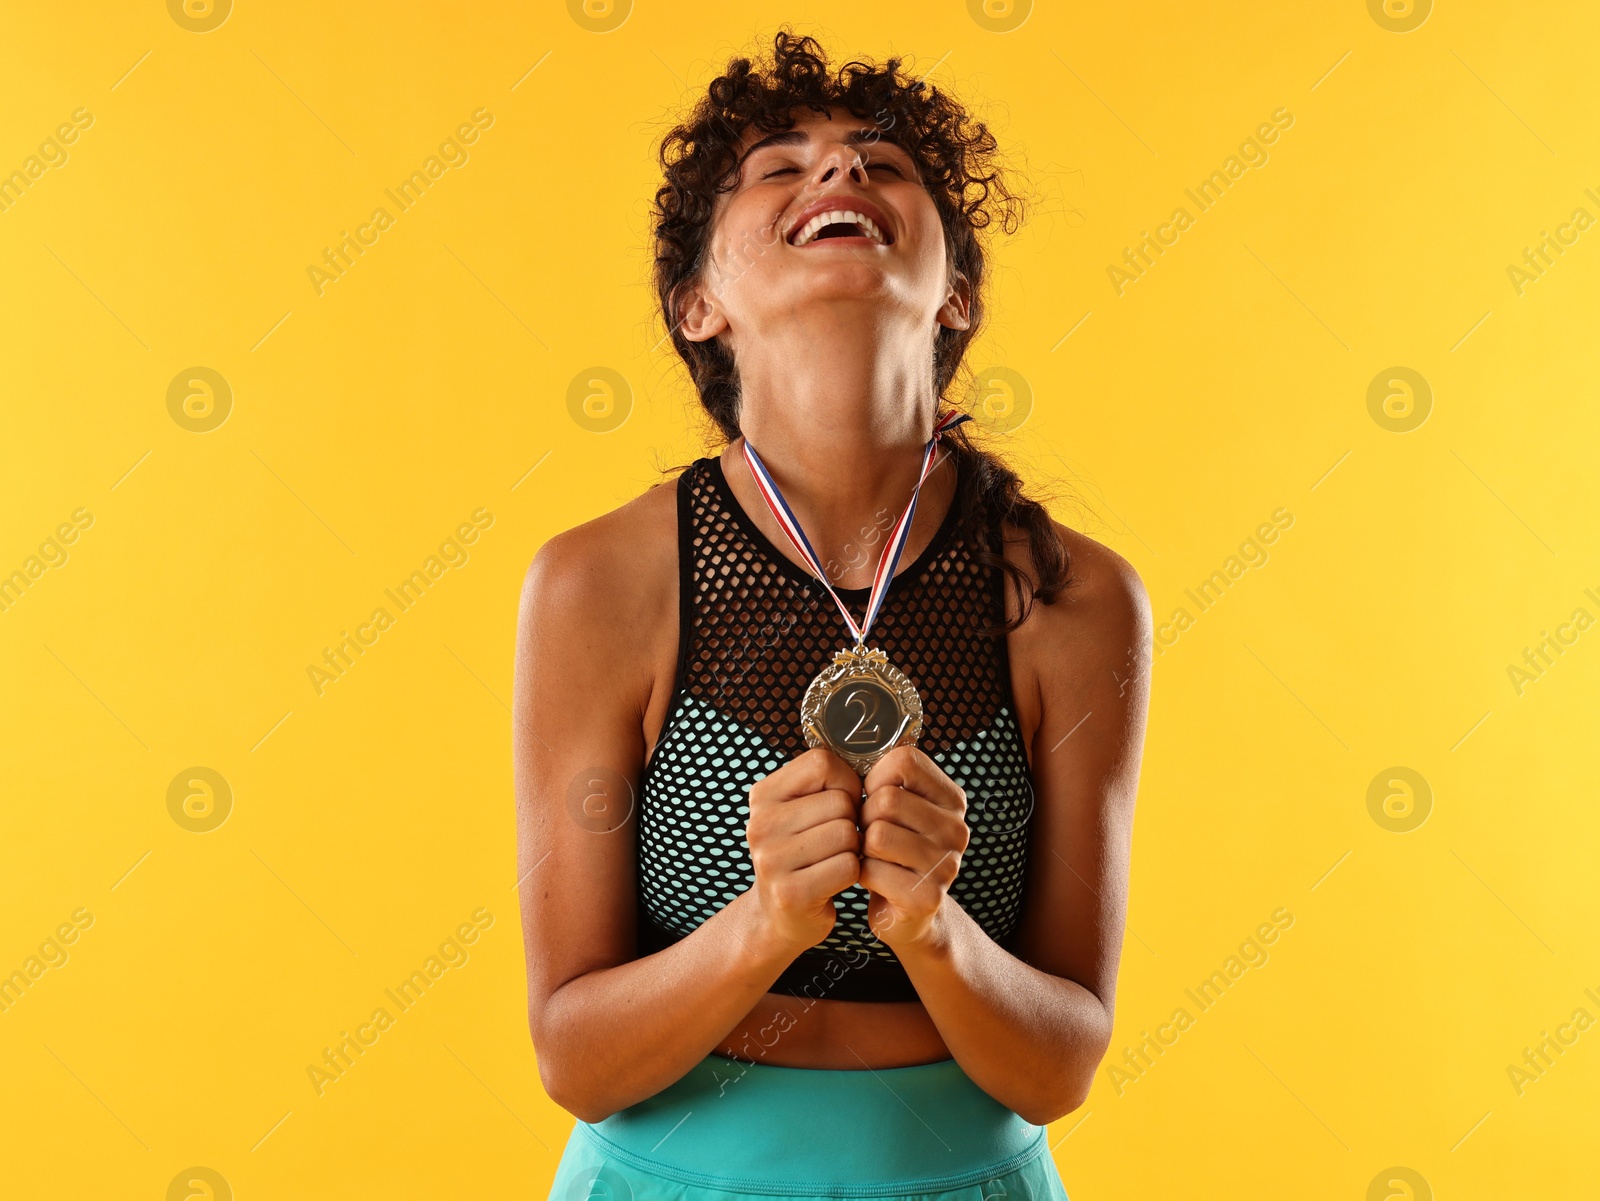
(868, 701)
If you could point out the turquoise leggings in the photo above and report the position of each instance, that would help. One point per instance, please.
(730, 1130)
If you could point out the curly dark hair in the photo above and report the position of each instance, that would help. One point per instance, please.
(957, 157)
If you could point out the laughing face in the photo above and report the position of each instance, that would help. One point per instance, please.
(828, 221)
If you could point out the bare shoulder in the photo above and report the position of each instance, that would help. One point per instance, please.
(611, 564)
(1081, 661)
(1105, 600)
(1088, 650)
(604, 594)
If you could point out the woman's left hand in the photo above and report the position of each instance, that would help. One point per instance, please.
(914, 831)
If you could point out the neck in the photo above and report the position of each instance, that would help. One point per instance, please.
(843, 439)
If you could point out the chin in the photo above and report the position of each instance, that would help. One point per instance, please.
(837, 281)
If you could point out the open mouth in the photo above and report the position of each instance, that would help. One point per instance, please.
(840, 223)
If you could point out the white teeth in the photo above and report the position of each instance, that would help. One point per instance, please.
(811, 227)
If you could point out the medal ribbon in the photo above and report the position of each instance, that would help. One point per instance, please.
(887, 562)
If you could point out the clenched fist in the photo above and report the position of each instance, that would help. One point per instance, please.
(915, 832)
(804, 844)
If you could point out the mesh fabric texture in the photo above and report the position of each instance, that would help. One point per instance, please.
(755, 629)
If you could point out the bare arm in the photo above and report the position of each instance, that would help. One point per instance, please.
(610, 1030)
(1030, 1029)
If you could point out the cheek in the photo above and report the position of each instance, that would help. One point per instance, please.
(923, 227)
(749, 275)
(746, 234)
(927, 277)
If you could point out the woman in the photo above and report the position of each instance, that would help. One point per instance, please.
(785, 965)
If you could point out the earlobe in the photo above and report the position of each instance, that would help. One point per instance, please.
(955, 312)
(699, 320)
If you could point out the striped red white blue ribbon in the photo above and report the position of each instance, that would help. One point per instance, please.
(887, 562)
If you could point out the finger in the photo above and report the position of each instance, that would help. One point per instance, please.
(945, 827)
(817, 770)
(907, 767)
(903, 888)
(802, 813)
(817, 844)
(836, 772)
(782, 854)
(824, 770)
(886, 842)
(828, 878)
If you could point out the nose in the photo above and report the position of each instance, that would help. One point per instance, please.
(839, 159)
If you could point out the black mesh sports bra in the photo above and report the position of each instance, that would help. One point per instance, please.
(754, 629)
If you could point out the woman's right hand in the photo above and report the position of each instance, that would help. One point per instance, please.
(805, 846)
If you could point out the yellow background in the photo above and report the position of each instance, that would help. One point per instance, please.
(371, 420)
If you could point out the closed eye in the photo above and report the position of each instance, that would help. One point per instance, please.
(870, 166)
